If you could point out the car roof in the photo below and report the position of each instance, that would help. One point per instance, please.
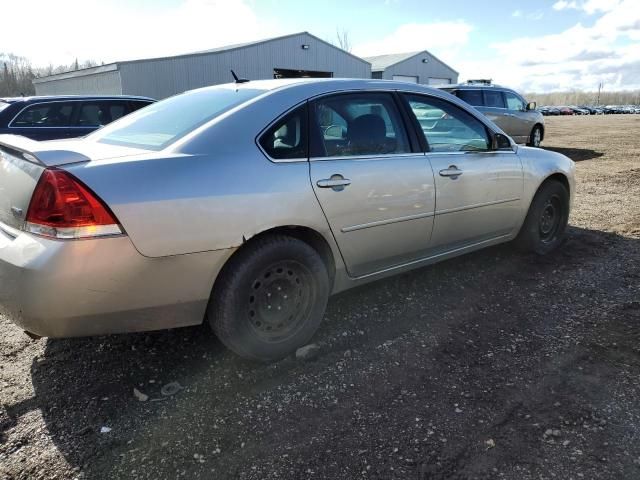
(49, 98)
(328, 84)
(475, 86)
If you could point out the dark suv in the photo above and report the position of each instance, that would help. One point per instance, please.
(506, 108)
(53, 117)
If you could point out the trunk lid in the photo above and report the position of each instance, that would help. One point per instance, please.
(23, 160)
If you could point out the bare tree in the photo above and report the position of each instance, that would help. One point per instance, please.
(17, 74)
(342, 39)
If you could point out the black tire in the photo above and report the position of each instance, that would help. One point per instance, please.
(546, 222)
(535, 139)
(270, 298)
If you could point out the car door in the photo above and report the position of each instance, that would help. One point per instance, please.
(495, 109)
(374, 185)
(45, 121)
(522, 119)
(478, 190)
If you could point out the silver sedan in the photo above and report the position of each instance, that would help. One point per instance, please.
(246, 205)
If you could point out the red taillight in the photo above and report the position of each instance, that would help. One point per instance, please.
(62, 207)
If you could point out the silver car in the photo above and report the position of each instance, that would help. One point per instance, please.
(506, 108)
(247, 205)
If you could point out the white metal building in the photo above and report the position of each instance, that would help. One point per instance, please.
(296, 55)
(416, 67)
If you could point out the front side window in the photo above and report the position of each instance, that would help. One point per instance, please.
(358, 125)
(446, 127)
(493, 99)
(287, 139)
(514, 102)
(54, 114)
(163, 123)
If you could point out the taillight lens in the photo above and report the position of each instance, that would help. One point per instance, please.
(62, 207)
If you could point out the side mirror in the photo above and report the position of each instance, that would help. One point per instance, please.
(500, 142)
(531, 105)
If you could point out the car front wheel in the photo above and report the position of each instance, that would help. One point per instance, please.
(270, 298)
(546, 222)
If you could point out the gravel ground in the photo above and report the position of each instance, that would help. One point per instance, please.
(494, 365)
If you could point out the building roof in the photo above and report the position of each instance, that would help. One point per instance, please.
(115, 65)
(380, 63)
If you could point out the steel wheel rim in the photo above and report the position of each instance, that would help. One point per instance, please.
(280, 300)
(550, 219)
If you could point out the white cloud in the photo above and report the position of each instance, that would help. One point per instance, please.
(537, 15)
(588, 6)
(447, 36)
(63, 30)
(565, 5)
(577, 58)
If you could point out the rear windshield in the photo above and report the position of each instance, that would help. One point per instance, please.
(158, 125)
(3, 105)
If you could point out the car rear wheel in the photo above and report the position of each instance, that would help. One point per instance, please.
(536, 137)
(546, 222)
(270, 298)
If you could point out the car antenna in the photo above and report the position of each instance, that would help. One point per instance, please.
(238, 79)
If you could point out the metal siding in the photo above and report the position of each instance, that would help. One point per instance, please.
(92, 84)
(164, 77)
(414, 67)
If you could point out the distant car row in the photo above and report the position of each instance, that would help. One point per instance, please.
(588, 110)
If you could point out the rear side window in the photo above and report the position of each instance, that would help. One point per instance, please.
(137, 105)
(493, 99)
(98, 113)
(54, 114)
(472, 97)
(358, 125)
(446, 127)
(287, 139)
(91, 115)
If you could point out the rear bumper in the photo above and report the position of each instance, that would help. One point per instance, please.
(58, 288)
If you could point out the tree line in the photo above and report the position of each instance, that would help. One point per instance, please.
(576, 97)
(17, 73)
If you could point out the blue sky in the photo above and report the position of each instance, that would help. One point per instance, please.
(533, 46)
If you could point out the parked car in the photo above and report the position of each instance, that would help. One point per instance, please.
(549, 111)
(566, 111)
(579, 110)
(55, 117)
(506, 108)
(246, 205)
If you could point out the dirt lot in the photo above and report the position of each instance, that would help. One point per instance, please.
(491, 366)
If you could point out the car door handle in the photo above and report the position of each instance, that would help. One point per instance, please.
(337, 182)
(452, 172)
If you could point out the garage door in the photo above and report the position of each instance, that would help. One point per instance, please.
(438, 81)
(405, 78)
